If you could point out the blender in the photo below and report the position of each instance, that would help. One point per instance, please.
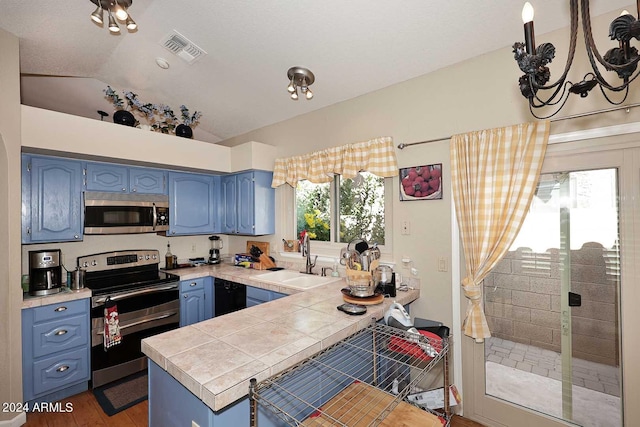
(214, 252)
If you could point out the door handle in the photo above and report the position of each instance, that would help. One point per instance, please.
(135, 293)
(142, 322)
(575, 300)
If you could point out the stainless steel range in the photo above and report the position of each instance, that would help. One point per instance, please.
(147, 302)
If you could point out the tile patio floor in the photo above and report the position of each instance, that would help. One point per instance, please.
(596, 388)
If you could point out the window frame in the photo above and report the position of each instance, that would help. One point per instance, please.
(328, 251)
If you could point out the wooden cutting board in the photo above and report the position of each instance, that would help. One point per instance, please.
(263, 246)
(360, 404)
(372, 300)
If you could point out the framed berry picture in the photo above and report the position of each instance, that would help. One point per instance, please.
(421, 182)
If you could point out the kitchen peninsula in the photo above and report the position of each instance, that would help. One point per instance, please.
(200, 373)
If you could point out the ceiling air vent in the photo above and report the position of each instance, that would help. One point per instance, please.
(182, 47)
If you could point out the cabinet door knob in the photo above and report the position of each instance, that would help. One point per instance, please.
(192, 284)
(134, 190)
(75, 236)
(124, 189)
(62, 368)
(61, 308)
(61, 332)
(185, 296)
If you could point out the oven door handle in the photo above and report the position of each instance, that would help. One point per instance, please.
(140, 322)
(135, 293)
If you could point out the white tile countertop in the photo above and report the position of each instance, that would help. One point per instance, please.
(66, 294)
(216, 358)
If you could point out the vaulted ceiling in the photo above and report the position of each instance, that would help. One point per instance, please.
(239, 82)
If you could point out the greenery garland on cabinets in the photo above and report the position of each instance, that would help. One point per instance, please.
(158, 117)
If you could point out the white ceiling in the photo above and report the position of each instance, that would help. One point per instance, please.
(352, 46)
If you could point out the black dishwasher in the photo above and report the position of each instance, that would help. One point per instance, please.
(229, 296)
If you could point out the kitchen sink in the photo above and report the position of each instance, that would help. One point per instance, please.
(294, 279)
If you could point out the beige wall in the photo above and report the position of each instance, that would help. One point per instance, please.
(10, 291)
(50, 131)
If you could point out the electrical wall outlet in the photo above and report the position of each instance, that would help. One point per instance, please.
(406, 228)
(193, 248)
(443, 265)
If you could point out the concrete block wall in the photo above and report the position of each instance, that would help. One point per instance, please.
(522, 300)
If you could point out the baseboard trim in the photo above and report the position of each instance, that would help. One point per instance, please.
(17, 421)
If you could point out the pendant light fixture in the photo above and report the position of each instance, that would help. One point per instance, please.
(532, 60)
(302, 78)
(117, 10)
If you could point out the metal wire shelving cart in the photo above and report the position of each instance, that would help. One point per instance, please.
(363, 380)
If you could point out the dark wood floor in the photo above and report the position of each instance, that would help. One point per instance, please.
(87, 412)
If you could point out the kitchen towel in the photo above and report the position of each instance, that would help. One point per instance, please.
(111, 325)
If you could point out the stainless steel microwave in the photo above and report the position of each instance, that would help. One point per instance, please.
(116, 213)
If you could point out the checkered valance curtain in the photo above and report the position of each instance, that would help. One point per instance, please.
(376, 156)
(494, 175)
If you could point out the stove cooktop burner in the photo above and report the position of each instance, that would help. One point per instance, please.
(111, 272)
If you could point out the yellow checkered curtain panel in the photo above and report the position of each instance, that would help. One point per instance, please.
(494, 175)
(376, 156)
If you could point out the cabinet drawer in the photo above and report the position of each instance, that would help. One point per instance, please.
(60, 335)
(58, 311)
(60, 371)
(258, 294)
(277, 295)
(251, 302)
(192, 285)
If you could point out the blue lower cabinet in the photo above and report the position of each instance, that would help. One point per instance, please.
(257, 296)
(55, 350)
(171, 404)
(209, 298)
(196, 300)
(277, 295)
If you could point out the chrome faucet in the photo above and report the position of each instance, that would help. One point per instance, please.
(306, 252)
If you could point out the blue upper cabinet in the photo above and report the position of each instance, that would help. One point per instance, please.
(147, 181)
(51, 199)
(124, 179)
(193, 203)
(107, 177)
(245, 186)
(228, 194)
(249, 203)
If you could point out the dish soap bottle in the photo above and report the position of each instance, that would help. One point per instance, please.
(168, 258)
(334, 271)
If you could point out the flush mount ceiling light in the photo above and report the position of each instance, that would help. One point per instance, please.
(116, 9)
(533, 60)
(302, 78)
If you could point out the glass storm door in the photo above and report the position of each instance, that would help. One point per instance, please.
(553, 304)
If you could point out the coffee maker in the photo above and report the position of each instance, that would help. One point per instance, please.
(45, 272)
(214, 252)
